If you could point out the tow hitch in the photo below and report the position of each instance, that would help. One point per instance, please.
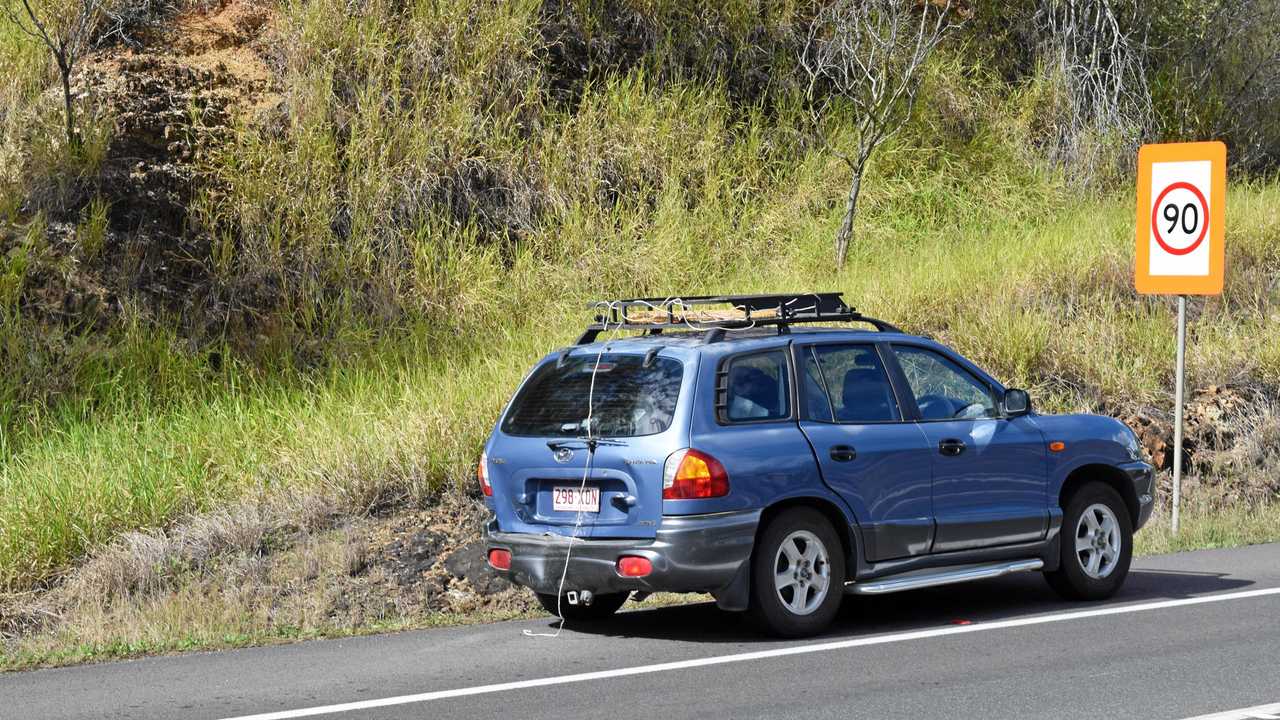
(583, 597)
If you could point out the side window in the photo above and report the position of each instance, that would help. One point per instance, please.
(817, 404)
(757, 387)
(943, 389)
(856, 383)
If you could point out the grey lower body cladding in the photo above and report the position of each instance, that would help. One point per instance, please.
(690, 553)
(1143, 477)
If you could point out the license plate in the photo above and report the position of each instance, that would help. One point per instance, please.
(575, 499)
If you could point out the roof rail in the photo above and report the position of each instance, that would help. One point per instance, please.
(653, 315)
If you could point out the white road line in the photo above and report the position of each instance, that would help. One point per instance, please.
(1257, 712)
(758, 655)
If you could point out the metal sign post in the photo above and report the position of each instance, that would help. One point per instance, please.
(1177, 410)
(1182, 191)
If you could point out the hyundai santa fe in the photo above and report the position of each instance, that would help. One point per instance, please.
(781, 451)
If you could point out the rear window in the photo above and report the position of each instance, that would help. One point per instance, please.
(629, 399)
(757, 388)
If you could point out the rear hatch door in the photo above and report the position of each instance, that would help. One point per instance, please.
(562, 433)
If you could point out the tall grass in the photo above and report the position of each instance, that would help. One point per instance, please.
(429, 212)
(409, 420)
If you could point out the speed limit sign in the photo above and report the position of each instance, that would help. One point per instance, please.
(1182, 191)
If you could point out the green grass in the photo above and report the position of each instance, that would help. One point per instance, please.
(412, 419)
(1202, 527)
(429, 218)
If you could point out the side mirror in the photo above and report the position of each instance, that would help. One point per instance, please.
(1016, 402)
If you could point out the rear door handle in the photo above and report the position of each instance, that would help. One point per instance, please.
(951, 447)
(843, 453)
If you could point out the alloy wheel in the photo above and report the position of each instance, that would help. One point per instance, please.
(802, 572)
(1098, 541)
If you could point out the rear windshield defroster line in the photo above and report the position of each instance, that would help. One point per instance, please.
(630, 400)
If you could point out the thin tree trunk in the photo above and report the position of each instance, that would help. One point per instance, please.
(65, 71)
(845, 233)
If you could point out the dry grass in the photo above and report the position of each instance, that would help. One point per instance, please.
(693, 316)
(143, 562)
(397, 427)
(282, 569)
(254, 577)
(1207, 524)
(429, 210)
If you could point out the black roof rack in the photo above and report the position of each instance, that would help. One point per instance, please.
(653, 315)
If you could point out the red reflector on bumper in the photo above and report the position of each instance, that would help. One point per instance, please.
(500, 559)
(633, 566)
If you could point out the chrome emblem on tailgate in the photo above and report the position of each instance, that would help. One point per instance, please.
(563, 454)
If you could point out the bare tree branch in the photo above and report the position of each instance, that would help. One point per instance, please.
(1099, 59)
(1229, 61)
(869, 54)
(66, 36)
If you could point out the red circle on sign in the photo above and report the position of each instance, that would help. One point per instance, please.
(1155, 226)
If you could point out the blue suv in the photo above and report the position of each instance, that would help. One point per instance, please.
(758, 449)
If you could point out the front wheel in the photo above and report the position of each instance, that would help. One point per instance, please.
(1096, 544)
(602, 606)
(797, 574)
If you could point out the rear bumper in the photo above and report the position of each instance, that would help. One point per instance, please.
(693, 553)
(1143, 477)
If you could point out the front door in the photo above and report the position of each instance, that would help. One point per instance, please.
(989, 472)
(868, 455)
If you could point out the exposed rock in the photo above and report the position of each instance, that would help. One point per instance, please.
(1155, 436)
(1214, 413)
(1226, 433)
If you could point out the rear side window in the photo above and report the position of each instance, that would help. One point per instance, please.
(757, 388)
(856, 384)
(629, 399)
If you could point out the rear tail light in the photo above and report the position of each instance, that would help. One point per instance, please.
(634, 566)
(500, 559)
(691, 474)
(482, 474)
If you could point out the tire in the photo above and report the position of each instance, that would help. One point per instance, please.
(804, 605)
(602, 606)
(1096, 521)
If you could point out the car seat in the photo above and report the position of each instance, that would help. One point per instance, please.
(755, 385)
(867, 396)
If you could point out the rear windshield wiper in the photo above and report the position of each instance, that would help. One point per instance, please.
(582, 443)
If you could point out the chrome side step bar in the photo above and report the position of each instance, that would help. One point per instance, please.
(941, 576)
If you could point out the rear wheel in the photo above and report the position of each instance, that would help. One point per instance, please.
(1096, 544)
(797, 574)
(602, 606)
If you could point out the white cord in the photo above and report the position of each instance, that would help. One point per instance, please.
(609, 307)
(586, 472)
(684, 315)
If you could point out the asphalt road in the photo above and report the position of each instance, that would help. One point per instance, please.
(1190, 634)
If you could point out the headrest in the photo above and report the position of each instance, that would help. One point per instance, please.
(865, 383)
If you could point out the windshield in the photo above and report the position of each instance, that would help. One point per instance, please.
(629, 399)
